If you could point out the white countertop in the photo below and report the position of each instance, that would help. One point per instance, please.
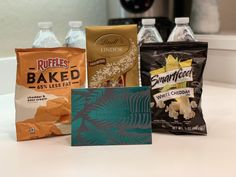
(213, 155)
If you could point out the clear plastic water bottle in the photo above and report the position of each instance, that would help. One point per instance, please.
(148, 33)
(46, 37)
(76, 36)
(182, 31)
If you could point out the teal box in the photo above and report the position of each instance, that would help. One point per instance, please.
(111, 116)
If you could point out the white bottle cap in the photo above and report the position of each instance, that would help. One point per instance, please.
(149, 21)
(181, 20)
(75, 24)
(45, 24)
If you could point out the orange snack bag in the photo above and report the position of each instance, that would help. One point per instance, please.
(44, 80)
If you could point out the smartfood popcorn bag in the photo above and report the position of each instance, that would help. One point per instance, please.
(175, 73)
(44, 80)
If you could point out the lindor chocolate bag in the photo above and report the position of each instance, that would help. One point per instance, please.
(112, 56)
(174, 71)
(44, 80)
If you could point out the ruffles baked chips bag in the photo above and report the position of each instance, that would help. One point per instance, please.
(44, 80)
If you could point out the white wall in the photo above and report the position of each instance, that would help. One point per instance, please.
(18, 19)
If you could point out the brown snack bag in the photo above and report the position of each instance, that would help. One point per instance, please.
(112, 56)
(44, 80)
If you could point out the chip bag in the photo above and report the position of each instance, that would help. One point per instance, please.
(44, 80)
(174, 71)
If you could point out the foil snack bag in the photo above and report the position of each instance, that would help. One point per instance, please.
(44, 80)
(112, 56)
(174, 72)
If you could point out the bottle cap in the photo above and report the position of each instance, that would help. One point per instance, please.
(182, 20)
(75, 24)
(45, 24)
(149, 21)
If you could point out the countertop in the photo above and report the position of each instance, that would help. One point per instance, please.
(213, 155)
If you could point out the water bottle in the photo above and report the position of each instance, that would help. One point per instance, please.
(45, 37)
(76, 36)
(148, 33)
(182, 31)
